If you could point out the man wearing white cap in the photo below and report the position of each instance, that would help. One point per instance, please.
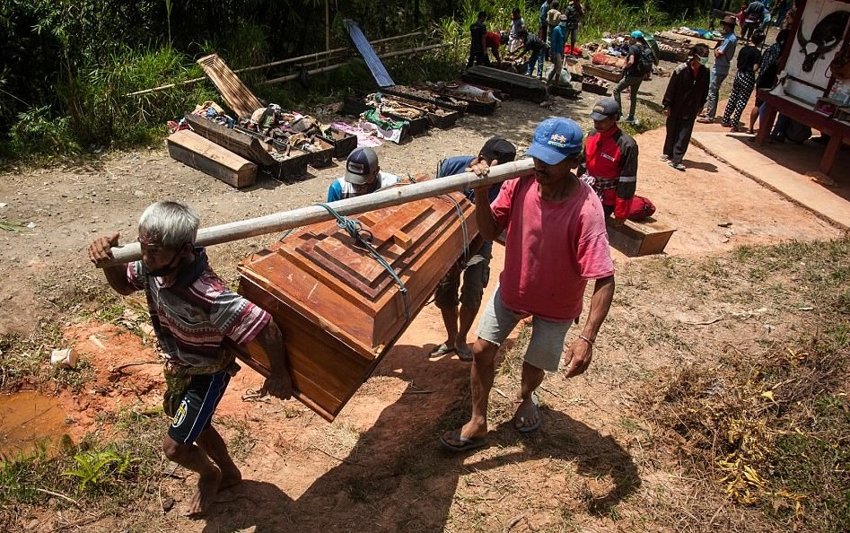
(555, 242)
(362, 176)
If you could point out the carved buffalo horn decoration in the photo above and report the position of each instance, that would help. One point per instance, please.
(826, 36)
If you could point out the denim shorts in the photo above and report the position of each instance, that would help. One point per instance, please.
(546, 347)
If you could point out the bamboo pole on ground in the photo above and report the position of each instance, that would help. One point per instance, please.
(295, 218)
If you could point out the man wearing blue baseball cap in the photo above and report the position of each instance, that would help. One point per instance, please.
(362, 176)
(555, 242)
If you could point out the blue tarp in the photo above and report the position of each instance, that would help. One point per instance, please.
(379, 72)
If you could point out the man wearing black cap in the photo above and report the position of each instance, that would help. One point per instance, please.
(476, 267)
(362, 176)
(555, 242)
(610, 160)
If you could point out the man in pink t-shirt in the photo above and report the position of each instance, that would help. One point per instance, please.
(556, 241)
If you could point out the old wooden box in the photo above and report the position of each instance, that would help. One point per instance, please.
(343, 143)
(633, 239)
(339, 309)
(197, 152)
(323, 155)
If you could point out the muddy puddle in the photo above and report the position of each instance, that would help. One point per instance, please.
(29, 419)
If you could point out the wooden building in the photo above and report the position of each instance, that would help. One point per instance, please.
(810, 93)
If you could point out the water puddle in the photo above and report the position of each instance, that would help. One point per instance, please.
(29, 419)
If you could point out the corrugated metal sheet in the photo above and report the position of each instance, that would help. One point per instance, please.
(379, 72)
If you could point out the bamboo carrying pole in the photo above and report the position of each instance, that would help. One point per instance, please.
(295, 218)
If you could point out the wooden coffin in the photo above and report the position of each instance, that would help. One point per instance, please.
(634, 239)
(339, 309)
(236, 141)
(427, 96)
(285, 164)
(322, 154)
(197, 152)
(603, 71)
(516, 85)
(343, 143)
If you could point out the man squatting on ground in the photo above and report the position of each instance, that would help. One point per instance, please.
(475, 262)
(556, 241)
(362, 176)
(193, 312)
(685, 96)
(609, 161)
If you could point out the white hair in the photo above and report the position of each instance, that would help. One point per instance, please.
(171, 223)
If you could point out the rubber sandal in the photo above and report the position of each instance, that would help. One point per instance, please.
(464, 353)
(441, 350)
(534, 427)
(454, 442)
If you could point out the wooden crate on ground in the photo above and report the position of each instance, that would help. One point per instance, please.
(245, 145)
(197, 152)
(516, 85)
(646, 237)
(323, 155)
(343, 143)
(601, 71)
(339, 309)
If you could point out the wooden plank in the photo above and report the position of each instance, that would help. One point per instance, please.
(639, 238)
(235, 93)
(200, 153)
(339, 309)
(239, 143)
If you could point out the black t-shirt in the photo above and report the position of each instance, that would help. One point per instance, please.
(477, 31)
(533, 43)
(636, 50)
(748, 58)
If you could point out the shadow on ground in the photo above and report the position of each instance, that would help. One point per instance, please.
(397, 478)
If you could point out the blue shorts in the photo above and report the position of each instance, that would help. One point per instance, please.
(196, 408)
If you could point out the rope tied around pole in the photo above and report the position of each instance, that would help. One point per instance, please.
(363, 238)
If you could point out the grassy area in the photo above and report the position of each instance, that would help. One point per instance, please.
(769, 426)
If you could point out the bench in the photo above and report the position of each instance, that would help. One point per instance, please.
(634, 239)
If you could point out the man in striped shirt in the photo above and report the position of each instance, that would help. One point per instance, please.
(193, 312)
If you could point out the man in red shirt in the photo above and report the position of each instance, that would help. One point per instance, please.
(610, 160)
(493, 40)
(555, 242)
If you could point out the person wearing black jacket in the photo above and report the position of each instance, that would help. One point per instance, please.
(686, 94)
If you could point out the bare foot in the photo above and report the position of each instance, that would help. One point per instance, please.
(527, 417)
(208, 485)
(230, 478)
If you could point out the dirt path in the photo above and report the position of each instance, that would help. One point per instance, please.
(377, 467)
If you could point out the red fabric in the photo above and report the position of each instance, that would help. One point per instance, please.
(640, 208)
(492, 39)
(551, 249)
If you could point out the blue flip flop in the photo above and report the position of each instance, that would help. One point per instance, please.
(449, 438)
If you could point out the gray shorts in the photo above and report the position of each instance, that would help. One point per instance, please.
(546, 347)
(475, 277)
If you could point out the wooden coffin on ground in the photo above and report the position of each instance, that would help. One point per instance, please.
(427, 96)
(236, 141)
(516, 85)
(339, 309)
(197, 152)
(417, 124)
(343, 143)
(286, 164)
(602, 71)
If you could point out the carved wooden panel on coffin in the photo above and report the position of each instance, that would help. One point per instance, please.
(339, 309)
